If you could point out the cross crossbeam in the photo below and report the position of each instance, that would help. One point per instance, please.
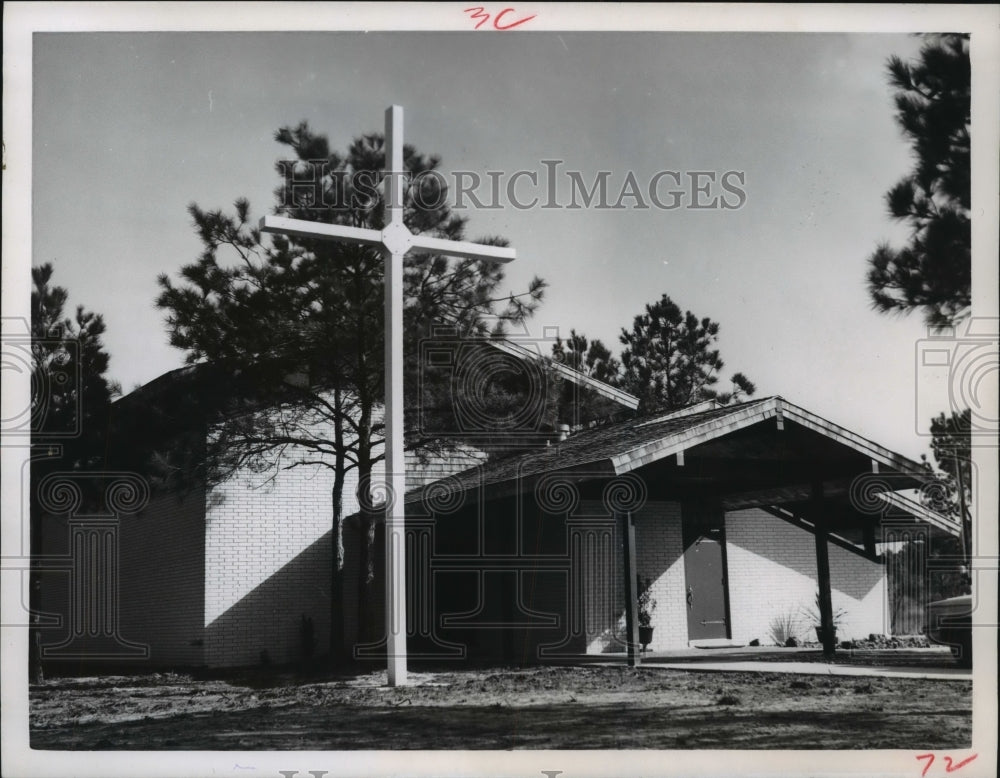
(395, 241)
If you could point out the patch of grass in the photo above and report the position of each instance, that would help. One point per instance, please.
(798, 683)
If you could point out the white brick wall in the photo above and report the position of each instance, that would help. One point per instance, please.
(268, 558)
(772, 572)
(269, 552)
(659, 557)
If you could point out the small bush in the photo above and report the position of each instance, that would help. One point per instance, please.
(783, 627)
(729, 699)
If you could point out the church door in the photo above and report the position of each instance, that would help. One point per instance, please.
(705, 571)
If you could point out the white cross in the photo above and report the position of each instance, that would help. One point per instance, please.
(395, 241)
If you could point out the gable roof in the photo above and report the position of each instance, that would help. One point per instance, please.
(597, 448)
(580, 378)
(616, 449)
(183, 378)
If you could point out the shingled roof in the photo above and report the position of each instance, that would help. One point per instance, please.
(626, 446)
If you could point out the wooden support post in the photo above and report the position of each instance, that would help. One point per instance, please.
(631, 589)
(869, 538)
(828, 635)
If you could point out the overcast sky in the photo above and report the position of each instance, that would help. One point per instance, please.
(129, 128)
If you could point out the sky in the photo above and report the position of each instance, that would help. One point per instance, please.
(129, 128)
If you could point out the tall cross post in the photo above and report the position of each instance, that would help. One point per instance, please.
(395, 240)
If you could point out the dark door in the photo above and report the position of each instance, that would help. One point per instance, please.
(705, 571)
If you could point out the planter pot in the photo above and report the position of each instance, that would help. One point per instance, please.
(820, 633)
(645, 636)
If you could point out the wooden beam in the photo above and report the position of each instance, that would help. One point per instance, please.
(669, 445)
(779, 495)
(829, 637)
(869, 535)
(893, 461)
(797, 521)
(465, 249)
(301, 228)
(577, 377)
(631, 589)
(904, 506)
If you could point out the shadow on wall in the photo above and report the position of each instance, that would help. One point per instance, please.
(485, 582)
(772, 578)
(266, 625)
(126, 591)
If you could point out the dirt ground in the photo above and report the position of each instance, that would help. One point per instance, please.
(593, 706)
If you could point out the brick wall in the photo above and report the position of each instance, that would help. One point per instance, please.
(419, 471)
(268, 563)
(772, 574)
(162, 556)
(159, 566)
(659, 558)
(771, 568)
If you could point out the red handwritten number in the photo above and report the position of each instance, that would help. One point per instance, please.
(949, 766)
(949, 769)
(477, 13)
(480, 14)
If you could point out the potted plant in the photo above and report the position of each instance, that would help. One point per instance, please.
(814, 614)
(647, 605)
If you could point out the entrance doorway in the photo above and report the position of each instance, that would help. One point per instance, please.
(705, 583)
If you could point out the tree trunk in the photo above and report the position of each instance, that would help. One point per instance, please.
(366, 567)
(337, 648)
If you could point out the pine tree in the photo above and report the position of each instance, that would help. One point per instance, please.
(932, 272)
(669, 360)
(70, 404)
(578, 405)
(305, 319)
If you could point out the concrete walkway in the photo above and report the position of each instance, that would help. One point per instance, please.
(821, 668)
(923, 663)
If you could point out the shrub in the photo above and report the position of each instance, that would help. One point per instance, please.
(783, 627)
(813, 614)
